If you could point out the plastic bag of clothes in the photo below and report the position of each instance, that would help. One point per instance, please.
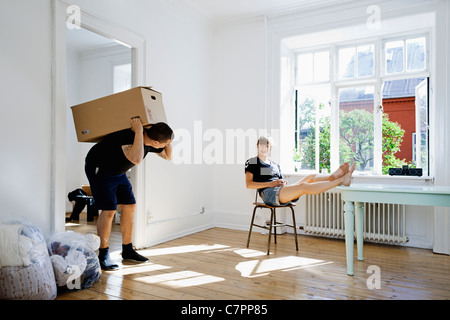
(74, 260)
(26, 271)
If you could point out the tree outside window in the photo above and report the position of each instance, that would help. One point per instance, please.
(359, 88)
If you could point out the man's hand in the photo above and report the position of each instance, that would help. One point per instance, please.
(136, 125)
(166, 153)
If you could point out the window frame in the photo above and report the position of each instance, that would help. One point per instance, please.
(377, 80)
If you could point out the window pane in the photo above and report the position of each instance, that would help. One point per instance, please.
(122, 77)
(347, 63)
(394, 56)
(365, 61)
(305, 68)
(322, 66)
(415, 52)
(422, 126)
(312, 121)
(356, 127)
(399, 124)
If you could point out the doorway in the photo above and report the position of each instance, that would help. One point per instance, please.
(96, 67)
(131, 48)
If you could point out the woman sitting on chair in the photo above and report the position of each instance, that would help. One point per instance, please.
(265, 175)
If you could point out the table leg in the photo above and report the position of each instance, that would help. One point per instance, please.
(359, 227)
(349, 221)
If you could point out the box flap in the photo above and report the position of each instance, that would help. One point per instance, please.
(149, 88)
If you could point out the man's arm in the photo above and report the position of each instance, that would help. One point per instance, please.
(135, 152)
(166, 153)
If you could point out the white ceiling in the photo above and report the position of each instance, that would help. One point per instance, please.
(218, 12)
(227, 11)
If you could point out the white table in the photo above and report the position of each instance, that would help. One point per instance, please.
(355, 196)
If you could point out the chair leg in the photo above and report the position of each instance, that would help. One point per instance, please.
(295, 228)
(251, 226)
(275, 223)
(272, 213)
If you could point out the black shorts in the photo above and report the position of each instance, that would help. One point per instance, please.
(108, 189)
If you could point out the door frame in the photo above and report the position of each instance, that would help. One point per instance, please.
(127, 38)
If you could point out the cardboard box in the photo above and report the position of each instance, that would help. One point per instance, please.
(97, 118)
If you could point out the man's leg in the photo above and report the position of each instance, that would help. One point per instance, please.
(104, 227)
(104, 232)
(126, 224)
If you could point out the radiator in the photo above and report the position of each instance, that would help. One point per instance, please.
(382, 222)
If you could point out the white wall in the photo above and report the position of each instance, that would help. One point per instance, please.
(178, 56)
(239, 103)
(25, 120)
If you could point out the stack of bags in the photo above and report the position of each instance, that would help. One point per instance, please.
(33, 269)
(26, 271)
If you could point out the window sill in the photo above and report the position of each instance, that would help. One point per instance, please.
(361, 178)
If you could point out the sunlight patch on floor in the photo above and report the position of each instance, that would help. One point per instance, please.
(258, 268)
(180, 249)
(126, 269)
(249, 253)
(180, 279)
(72, 224)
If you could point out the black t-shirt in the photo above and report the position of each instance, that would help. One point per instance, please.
(108, 156)
(263, 172)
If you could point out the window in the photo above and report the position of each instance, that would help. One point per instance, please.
(356, 62)
(121, 77)
(364, 103)
(313, 124)
(356, 126)
(315, 67)
(405, 55)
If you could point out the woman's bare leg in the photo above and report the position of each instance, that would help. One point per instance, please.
(340, 172)
(308, 179)
(295, 191)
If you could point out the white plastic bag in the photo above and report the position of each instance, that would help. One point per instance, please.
(26, 271)
(74, 260)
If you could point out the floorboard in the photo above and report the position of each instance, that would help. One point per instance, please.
(216, 265)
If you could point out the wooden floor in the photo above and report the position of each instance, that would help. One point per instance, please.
(216, 265)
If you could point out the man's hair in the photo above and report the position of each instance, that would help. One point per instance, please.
(160, 132)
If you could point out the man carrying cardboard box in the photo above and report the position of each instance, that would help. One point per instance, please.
(106, 165)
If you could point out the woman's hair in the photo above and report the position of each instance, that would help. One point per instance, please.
(160, 132)
(268, 141)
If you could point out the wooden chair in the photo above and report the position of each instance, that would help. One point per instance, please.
(273, 221)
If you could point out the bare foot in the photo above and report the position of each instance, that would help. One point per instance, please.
(347, 178)
(340, 172)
